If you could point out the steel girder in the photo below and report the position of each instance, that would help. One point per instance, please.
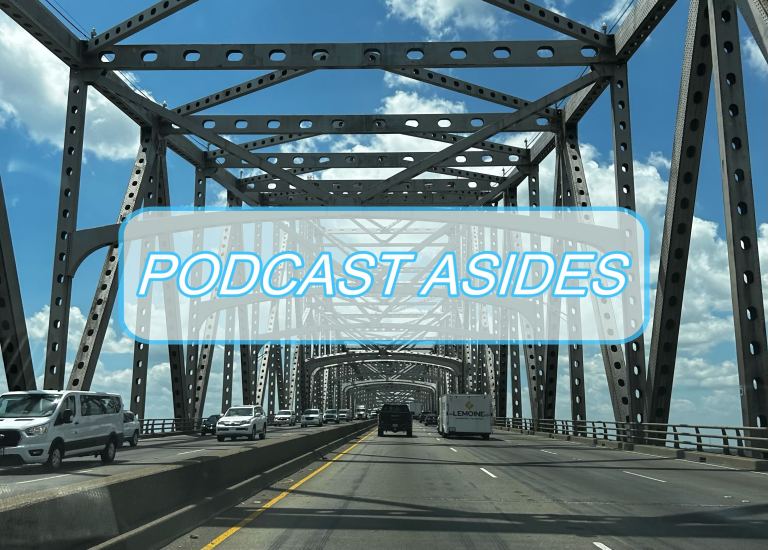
(678, 221)
(14, 340)
(324, 161)
(740, 225)
(577, 195)
(270, 57)
(354, 124)
(555, 21)
(755, 13)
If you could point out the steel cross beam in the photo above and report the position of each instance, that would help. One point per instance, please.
(145, 18)
(238, 57)
(554, 21)
(342, 124)
(483, 134)
(219, 141)
(391, 159)
(457, 85)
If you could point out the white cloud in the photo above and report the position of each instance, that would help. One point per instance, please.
(444, 18)
(37, 328)
(393, 80)
(33, 95)
(754, 57)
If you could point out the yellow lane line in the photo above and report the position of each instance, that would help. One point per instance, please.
(255, 514)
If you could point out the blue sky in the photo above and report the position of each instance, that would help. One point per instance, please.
(33, 92)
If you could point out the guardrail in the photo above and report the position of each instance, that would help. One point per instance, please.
(728, 440)
(158, 427)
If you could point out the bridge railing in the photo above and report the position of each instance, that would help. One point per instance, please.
(729, 440)
(158, 427)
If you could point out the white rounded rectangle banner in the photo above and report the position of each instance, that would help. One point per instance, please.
(384, 275)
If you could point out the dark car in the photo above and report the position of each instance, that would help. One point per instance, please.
(430, 419)
(209, 424)
(395, 417)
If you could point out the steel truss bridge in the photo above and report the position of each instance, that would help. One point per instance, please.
(287, 375)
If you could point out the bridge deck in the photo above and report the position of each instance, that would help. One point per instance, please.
(29, 480)
(512, 492)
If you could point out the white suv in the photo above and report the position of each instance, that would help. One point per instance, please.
(242, 421)
(42, 427)
(311, 416)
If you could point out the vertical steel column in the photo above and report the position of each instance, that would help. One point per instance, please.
(634, 351)
(179, 384)
(740, 228)
(510, 200)
(192, 356)
(613, 357)
(534, 351)
(678, 221)
(144, 305)
(554, 308)
(14, 340)
(66, 225)
(143, 180)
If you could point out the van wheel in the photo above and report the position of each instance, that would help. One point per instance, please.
(134, 439)
(303, 425)
(220, 438)
(55, 457)
(263, 433)
(409, 433)
(108, 454)
(486, 436)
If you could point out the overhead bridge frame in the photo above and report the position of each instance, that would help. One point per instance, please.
(472, 166)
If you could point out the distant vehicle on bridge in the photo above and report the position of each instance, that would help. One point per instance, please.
(345, 415)
(416, 409)
(285, 418)
(209, 425)
(331, 415)
(360, 412)
(311, 416)
(242, 421)
(465, 414)
(131, 428)
(42, 427)
(395, 418)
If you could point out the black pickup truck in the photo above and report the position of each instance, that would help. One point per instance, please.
(395, 418)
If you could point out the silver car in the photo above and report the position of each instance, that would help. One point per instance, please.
(311, 416)
(331, 415)
(285, 418)
(131, 428)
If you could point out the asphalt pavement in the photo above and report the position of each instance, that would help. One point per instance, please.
(514, 491)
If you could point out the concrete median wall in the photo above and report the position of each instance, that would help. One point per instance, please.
(96, 511)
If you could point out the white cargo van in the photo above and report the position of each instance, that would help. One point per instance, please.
(42, 427)
(360, 412)
(465, 414)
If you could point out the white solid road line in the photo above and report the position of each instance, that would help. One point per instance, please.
(454, 450)
(601, 546)
(190, 452)
(489, 473)
(437, 439)
(646, 477)
(548, 452)
(41, 479)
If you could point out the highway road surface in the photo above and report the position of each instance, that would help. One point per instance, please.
(511, 492)
(17, 481)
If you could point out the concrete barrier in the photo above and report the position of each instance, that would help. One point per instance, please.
(96, 511)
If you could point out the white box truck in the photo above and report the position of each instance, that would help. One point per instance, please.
(465, 414)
